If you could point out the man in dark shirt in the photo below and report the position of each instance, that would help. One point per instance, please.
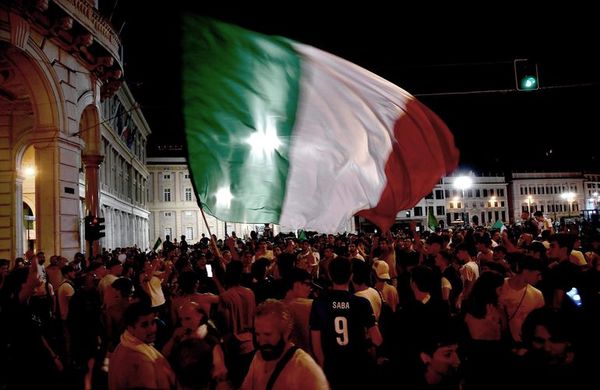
(562, 274)
(340, 323)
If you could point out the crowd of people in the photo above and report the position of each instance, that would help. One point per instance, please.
(469, 308)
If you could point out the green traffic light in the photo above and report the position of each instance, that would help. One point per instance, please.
(529, 82)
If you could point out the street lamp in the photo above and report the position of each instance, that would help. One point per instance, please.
(529, 201)
(569, 197)
(462, 183)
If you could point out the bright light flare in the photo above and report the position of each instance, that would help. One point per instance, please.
(568, 196)
(265, 140)
(224, 197)
(463, 182)
(29, 171)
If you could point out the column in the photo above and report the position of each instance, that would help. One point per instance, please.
(178, 225)
(11, 213)
(57, 160)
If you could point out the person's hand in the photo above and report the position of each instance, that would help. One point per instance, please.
(230, 242)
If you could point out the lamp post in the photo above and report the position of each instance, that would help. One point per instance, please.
(569, 197)
(529, 201)
(462, 183)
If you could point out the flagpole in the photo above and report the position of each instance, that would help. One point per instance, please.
(204, 218)
(215, 248)
(212, 240)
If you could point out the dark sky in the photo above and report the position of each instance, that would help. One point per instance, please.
(459, 65)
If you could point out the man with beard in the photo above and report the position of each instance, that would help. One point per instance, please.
(136, 364)
(278, 364)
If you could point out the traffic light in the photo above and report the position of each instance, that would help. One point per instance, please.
(526, 75)
(94, 228)
(89, 228)
(100, 228)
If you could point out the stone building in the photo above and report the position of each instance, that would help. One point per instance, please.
(60, 70)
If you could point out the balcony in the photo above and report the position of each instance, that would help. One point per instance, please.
(79, 29)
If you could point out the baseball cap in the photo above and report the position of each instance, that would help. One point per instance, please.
(382, 270)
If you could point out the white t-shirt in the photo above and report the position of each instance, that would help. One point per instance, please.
(300, 373)
(373, 296)
(518, 304)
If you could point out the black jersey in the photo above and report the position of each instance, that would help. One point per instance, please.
(343, 320)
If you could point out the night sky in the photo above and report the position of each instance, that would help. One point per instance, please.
(461, 66)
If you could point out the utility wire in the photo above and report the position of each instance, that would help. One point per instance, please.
(488, 91)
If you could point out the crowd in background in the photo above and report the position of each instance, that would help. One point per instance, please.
(468, 308)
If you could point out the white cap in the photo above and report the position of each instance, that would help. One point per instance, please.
(382, 270)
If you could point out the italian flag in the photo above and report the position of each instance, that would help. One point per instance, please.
(280, 132)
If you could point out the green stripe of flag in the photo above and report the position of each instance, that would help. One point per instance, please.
(237, 87)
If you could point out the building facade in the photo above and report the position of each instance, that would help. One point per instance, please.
(483, 201)
(556, 194)
(491, 198)
(123, 174)
(60, 66)
(174, 209)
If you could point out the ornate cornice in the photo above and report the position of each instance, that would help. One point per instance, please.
(78, 28)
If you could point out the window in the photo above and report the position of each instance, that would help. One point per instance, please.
(167, 213)
(469, 193)
(492, 192)
(504, 215)
(447, 193)
(500, 191)
(439, 194)
(188, 194)
(478, 193)
(439, 210)
(166, 176)
(418, 211)
(521, 190)
(485, 193)
(186, 176)
(167, 195)
(189, 233)
(502, 204)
